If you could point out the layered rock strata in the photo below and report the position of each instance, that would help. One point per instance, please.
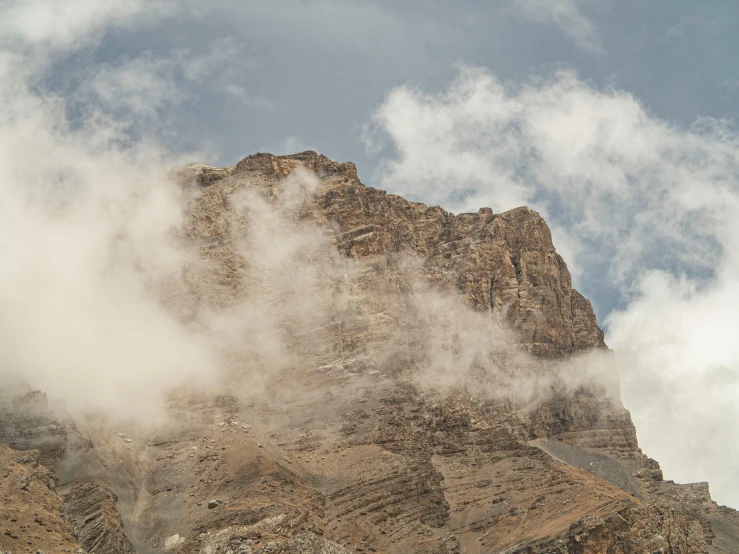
(399, 379)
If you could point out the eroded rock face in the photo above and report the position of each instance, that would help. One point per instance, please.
(643, 529)
(29, 506)
(26, 423)
(501, 263)
(402, 379)
(91, 512)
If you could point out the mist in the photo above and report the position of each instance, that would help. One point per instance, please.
(89, 230)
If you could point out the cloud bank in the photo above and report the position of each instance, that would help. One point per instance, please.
(637, 200)
(89, 224)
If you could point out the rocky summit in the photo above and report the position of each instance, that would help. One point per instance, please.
(395, 378)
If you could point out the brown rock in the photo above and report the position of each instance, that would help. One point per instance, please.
(29, 507)
(91, 511)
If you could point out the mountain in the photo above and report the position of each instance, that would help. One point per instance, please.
(396, 378)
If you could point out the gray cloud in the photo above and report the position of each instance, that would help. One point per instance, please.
(354, 24)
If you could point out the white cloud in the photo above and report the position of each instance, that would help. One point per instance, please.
(142, 86)
(594, 160)
(89, 221)
(567, 15)
(89, 226)
(145, 92)
(653, 203)
(680, 374)
(60, 25)
(449, 145)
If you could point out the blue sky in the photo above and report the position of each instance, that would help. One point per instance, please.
(614, 119)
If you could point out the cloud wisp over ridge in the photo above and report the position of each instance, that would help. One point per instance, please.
(90, 222)
(637, 200)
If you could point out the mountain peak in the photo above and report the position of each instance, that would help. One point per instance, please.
(396, 378)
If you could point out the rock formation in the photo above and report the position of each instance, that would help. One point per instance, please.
(30, 517)
(91, 511)
(403, 379)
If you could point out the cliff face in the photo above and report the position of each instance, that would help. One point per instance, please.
(403, 379)
(504, 264)
(30, 508)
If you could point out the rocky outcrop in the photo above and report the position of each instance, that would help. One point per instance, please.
(302, 544)
(27, 423)
(29, 506)
(91, 511)
(502, 263)
(634, 530)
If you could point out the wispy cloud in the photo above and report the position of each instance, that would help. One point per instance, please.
(645, 204)
(142, 86)
(90, 218)
(147, 89)
(568, 16)
(61, 25)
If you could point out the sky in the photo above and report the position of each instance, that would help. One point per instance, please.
(614, 120)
